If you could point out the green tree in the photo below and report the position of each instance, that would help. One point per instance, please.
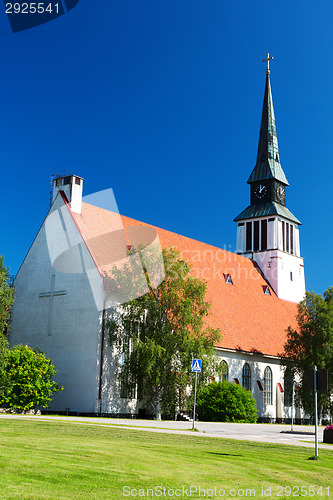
(312, 344)
(30, 373)
(6, 300)
(160, 332)
(6, 296)
(4, 381)
(226, 402)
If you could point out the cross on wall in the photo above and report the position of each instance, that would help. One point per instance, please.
(52, 293)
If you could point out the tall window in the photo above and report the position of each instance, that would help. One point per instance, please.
(287, 237)
(256, 235)
(264, 234)
(127, 386)
(246, 377)
(268, 386)
(248, 236)
(291, 239)
(224, 371)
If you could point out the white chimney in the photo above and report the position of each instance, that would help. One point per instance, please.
(72, 186)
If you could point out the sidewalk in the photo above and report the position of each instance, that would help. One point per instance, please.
(268, 433)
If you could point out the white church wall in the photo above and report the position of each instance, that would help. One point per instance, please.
(111, 400)
(257, 364)
(73, 342)
(284, 272)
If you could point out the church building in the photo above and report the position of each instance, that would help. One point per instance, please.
(62, 300)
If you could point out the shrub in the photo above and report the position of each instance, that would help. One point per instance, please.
(30, 375)
(226, 402)
(3, 373)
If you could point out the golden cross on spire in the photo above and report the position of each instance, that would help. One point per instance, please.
(267, 61)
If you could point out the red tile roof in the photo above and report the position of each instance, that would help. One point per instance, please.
(249, 319)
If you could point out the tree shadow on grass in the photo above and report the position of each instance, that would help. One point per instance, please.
(223, 454)
(298, 432)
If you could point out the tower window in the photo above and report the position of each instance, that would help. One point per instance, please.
(248, 236)
(256, 235)
(291, 276)
(264, 235)
(77, 180)
(291, 239)
(287, 237)
(127, 385)
(283, 236)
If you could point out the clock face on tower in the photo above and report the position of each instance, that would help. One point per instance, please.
(280, 194)
(260, 191)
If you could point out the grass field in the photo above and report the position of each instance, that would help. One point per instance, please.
(55, 460)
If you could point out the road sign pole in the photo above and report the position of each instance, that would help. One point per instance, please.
(316, 410)
(292, 407)
(195, 397)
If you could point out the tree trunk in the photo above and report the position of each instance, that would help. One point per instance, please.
(158, 405)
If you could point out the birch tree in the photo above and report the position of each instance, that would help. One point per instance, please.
(160, 332)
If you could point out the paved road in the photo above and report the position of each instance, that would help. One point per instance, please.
(269, 433)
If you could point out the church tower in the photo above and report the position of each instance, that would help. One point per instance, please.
(267, 231)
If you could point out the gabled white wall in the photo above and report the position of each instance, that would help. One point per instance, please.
(74, 345)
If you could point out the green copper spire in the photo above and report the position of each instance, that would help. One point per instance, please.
(268, 159)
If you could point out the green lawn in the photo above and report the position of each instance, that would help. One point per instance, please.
(63, 460)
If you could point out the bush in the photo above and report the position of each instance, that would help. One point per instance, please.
(226, 402)
(30, 375)
(3, 372)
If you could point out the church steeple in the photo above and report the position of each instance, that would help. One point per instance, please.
(268, 164)
(267, 232)
(267, 180)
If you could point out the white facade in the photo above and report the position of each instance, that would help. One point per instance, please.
(60, 308)
(57, 312)
(275, 409)
(61, 326)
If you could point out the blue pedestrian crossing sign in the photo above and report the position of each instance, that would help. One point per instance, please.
(196, 365)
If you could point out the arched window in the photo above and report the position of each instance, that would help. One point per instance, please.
(268, 386)
(224, 371)
(246, 377)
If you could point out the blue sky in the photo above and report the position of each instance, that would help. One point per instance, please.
(161, 101)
